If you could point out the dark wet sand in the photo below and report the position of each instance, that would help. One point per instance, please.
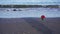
(29, 26)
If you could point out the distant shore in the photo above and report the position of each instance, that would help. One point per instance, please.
(29, 6)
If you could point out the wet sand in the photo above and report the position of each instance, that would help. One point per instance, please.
(29, 26)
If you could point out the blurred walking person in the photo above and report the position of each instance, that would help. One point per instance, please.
(42, 17)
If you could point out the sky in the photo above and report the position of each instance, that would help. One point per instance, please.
(30, 2)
